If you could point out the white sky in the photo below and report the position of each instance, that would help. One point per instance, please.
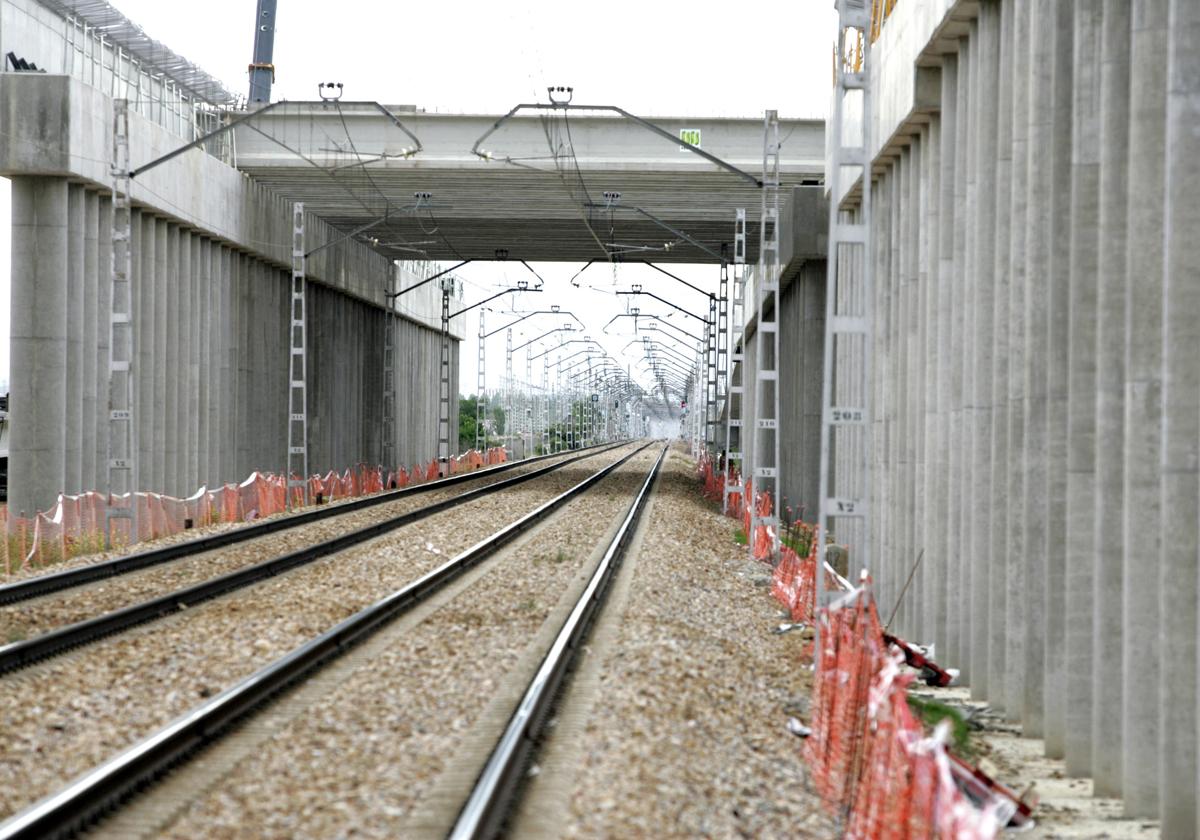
(649, 57)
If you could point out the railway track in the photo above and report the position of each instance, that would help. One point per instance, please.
(84, 626)
(100, 789)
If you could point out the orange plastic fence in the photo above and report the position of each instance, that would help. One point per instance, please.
(870, 758)
(761, 539)
(75, 525)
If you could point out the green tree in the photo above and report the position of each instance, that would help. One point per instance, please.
(493, 424)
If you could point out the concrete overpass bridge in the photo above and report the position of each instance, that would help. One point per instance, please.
(544, 183)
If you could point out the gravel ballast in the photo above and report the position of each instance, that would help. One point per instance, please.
(64, 716)
(682, 731)
(31, 618)
(361, 760)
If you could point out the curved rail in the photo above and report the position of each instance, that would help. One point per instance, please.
(24, 653)
(488, 805)
(35, 587)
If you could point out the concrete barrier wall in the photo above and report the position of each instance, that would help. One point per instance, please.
(1037, 370)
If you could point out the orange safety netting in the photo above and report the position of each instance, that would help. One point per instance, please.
(870, 758)
(75, 525)
(761, 539)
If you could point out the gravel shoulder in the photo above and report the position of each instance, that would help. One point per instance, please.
(64, 716)
(34, 617)
(679, 730)
(405, 727)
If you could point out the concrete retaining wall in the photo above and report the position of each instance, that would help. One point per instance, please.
(211, 268)
(1037, 370)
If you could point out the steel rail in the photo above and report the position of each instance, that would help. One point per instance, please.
(35, 587)
(95, 792)
(23, 653)
(492, 796)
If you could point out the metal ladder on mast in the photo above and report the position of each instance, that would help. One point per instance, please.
(387, 449)
(122, 472)
(765, 472)
(444, 382)
(508, 397)
(710, 377)
(737, 388)
(297, 460)
(722, 357)
(848, 313)
(480, 391)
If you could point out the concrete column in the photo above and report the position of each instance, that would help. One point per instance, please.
(173, 336)
(1181, 425)
(968, 618)
(1038, 72)
(1012, 546)
(72, 421)
(1111, 306)
(912, 395)
(184, 474)
(202, 297)
(38, 342)
(958, 581)
(1081, 387)
(194, 472)
(242, 352)
(147, 329)
(229, 371)
(1143, 408)
(983, 280)
(1056, 381)
(887, 365)
(103, 307)
(1001, 553)
(89, 372)
(932, 574)
(913, 601)
(163, 333)
(946, 563)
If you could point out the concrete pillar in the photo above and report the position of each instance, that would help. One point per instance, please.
(1081, 387)
(103, 305)
(1181, 425)
(205, 394)
(216, 380)
(229, 367)
(143, 259)
(995, 496)
(242, 352)
(983, 282)
(1058, 312)
(72, 421)
(38, 342)
(887, 366)
(1111, 307)
(912, 395)
(173, 336)
(90, 341)
(958, 581)
(1016, 603)
(184, 474)
(946, 562)
(194, 475)
(932, 574)
(1143, 408)
(965, 261)
(1038, 81)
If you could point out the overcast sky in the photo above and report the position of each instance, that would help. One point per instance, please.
(651, 58)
